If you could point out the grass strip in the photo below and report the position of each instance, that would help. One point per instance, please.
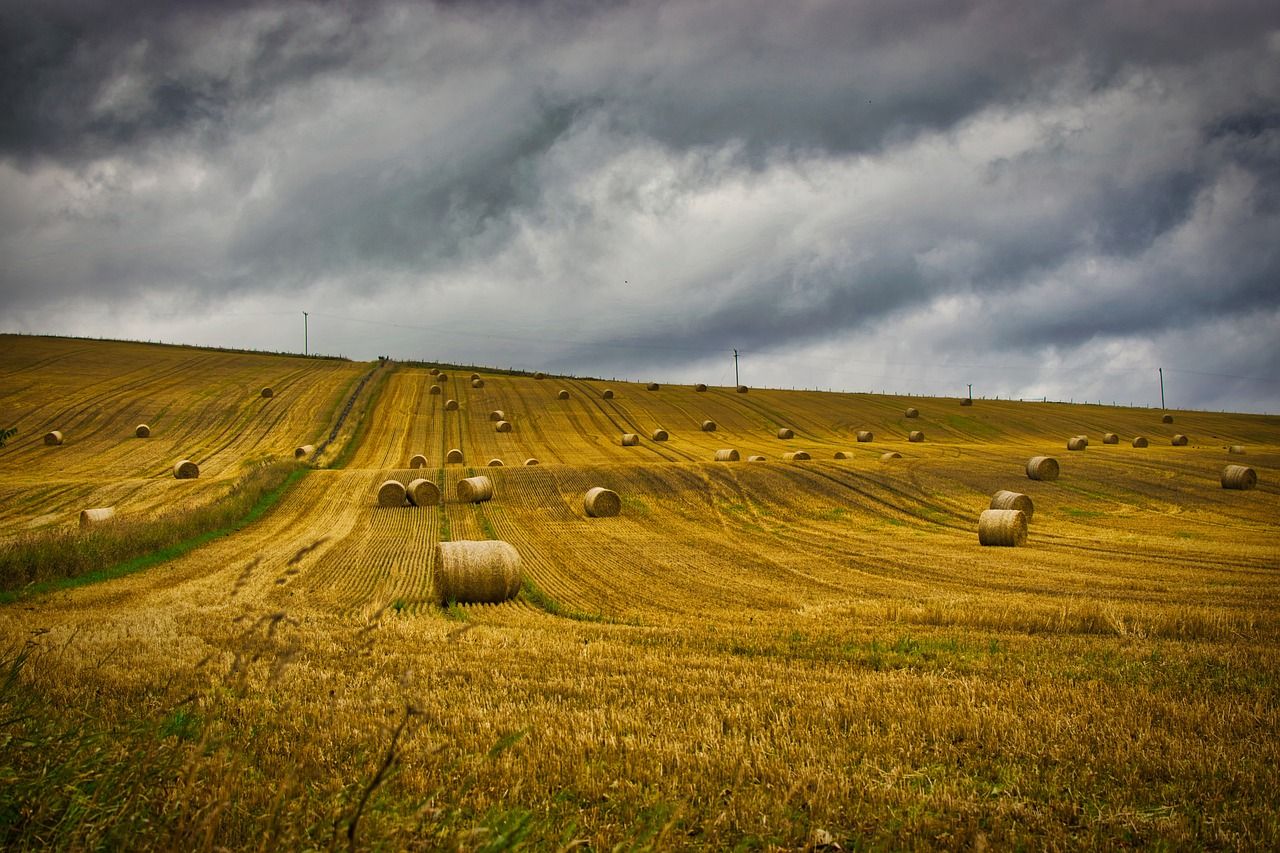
(264, 502)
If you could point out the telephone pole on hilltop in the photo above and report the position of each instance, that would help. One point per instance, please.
(305, 342)
(1161, 369)
(735, 368)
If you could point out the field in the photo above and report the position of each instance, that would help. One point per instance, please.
(753, 654)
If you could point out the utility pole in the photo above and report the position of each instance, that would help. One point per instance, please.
(305, 343)
(1161, 369)
(970, 392)
(735, 368)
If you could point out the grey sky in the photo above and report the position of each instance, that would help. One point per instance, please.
(1044, 199)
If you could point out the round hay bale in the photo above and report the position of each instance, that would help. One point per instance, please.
(531, 461)
(303, 451)
(865, 435)
(1239, 477)
(502, 426)
(652, 386)
(608, 394)
(435, 371)
(660, 435)
(600, 502)
(495, 463)
(915, 436)
(453, 457)
(700, 388)
(470, 572)
(562, 394)
(1166, 419)
(1042, 468)
(103, 514)
(708, 426)
(53, 437)
(267, 393)
(796, 456)
(418, 461)
(443, 376)
(1236, 449)
(757, 459)
(786, 432)
(475, 376)
(392, 493)
(1006, 527)
(185, 469)
(423, 492)
(967, 401)
(1005, 499)
(1077, 442)
(840, 454)
(477, 383)
(742, 389)
(1179, 440)
(497, 415)
(142, 431)
(451, 405)
(473, 490)
(1139, 441)
(630, 439)
(727, 454)
(1110, 438)
(892, 454)
(539, 375)
(435, 389)
(912, 412)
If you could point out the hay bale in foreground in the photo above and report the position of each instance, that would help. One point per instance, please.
(435, 389)
(1077, 442)
(660, 435)
(495, 463)
(652, 386)
(392, 493)
(1179, 440)
(785, 432)
(1239, 477)
(608, 394)
(1139, 441)
(451, 405)
(303, 451)
(103, 514)
(142, 431)
(1042, 468)
(865, 435)
(1006, 527)
(453, 457)
(1005, 499)
(473, 490)
(471, 572)
(497, 415)
(53, 437)
(630, 439)
(267, 393)
(1166, 419)
(423, 492)
(185, 469)
(531, 461)
(477, 383)
(840, 454)
(418, 460)
(563, 394)
(757, 458)
(502, 426)
(892, 454)
(700, 388)
(912, 412)
(600, 502)
(742, 389)
(796, 456)
(1236, 449)
(727, 454)
(915, 436)
(708, 426)
(1110, 438)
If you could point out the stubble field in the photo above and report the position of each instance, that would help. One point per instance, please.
(757, 654)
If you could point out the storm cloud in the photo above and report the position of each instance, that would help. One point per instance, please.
(1047, 199)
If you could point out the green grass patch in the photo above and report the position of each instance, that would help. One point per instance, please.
(530, 592)
(66, 559)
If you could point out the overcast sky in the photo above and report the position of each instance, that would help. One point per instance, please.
(1043, 199)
